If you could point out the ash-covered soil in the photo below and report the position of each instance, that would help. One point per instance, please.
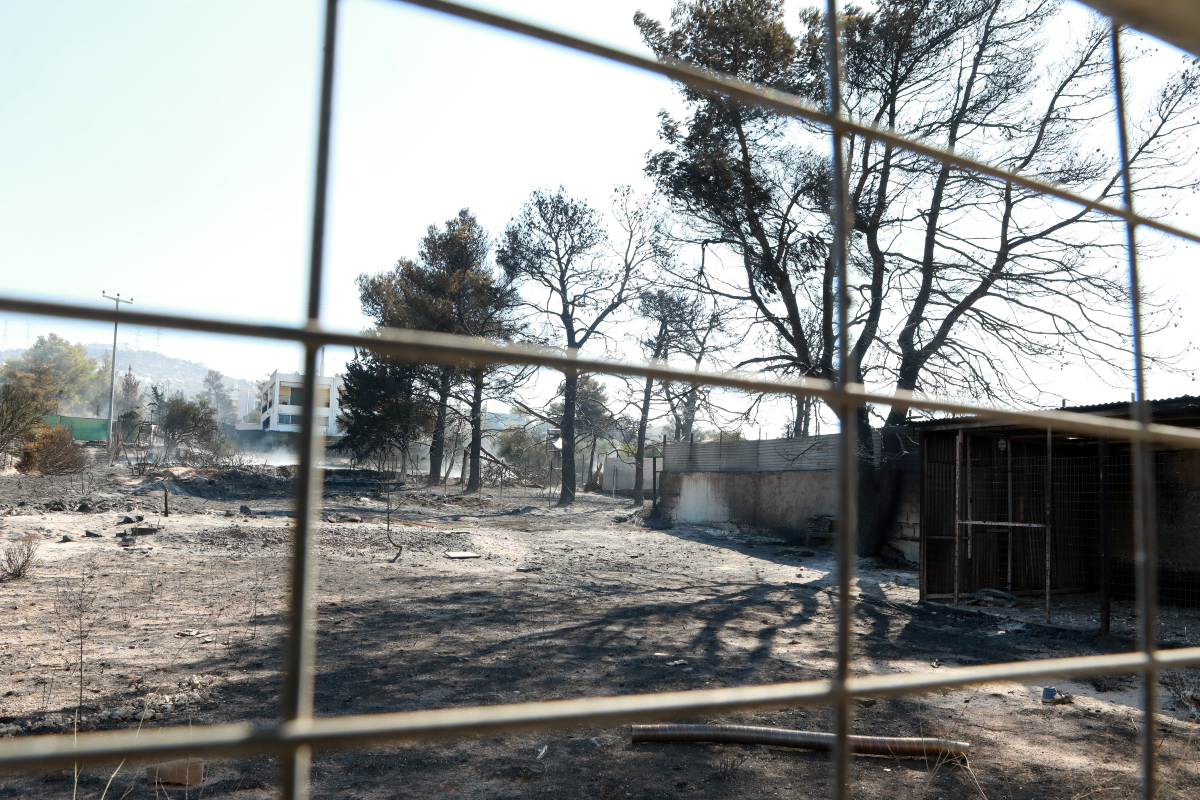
(182, 625)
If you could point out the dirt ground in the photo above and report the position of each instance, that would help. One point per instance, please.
(183, 627)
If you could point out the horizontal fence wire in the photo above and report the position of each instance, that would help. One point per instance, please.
(293, 738)
(446, 348)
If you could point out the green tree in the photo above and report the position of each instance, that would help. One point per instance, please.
(382, 409)
(593, 419)
(960, 281)
(449, 288)
(69, 363)
(20, 416)
(185, 423)
(129, 406)
(525, 453)
(217, 394)
(129, 393)
(38, 384)
(670, 314)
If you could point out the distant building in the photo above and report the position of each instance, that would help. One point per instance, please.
(497, 422)
(280, 403)
(245, 402)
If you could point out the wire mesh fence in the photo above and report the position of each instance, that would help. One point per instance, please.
(1059, 547)
(1011, 555)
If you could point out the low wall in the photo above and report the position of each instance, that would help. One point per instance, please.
(780, 501)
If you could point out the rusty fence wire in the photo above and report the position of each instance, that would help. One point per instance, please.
(297, 732)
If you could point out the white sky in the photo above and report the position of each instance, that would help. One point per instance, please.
(164, 150)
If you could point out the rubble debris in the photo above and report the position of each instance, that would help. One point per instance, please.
(820, 526)
(184, 772)
(65, 539)
(93, 535)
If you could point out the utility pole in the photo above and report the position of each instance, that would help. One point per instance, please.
(112, 377)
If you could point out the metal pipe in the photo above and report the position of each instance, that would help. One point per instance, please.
(1105, 544)
(1009, 450)
(1049, 512)
(970, 495)
(958, 444)
(895, 746)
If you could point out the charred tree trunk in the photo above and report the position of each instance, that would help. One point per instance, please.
(475, 481)
(437, 445)
(639, 458)
(590, 485)
(570, 393)
(870, 532)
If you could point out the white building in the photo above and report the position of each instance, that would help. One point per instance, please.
(244, 401)
(282, 398)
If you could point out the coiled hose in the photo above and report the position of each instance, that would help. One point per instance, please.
(807, 740)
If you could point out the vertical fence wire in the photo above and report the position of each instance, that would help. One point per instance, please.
(300, 648)
(1143, 480)
(847, 413)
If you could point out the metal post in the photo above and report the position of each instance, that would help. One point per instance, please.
(958, 444)
(1009, 450)
(296, 697)
(1105, 599)
(970, 496)
(1049, 511)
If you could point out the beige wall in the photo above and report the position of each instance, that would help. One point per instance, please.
(782, 501)
(779, 501)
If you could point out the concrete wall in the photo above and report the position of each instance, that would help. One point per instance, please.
(905, 534)
(782, 501)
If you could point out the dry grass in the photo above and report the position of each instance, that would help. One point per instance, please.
(54, 452)
(18, 558)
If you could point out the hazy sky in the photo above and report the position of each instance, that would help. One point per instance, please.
(164, 150)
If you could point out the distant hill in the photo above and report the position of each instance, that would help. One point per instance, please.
(154, 368)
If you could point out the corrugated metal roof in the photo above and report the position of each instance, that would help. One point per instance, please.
(1164, 405)
(1181, 403)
